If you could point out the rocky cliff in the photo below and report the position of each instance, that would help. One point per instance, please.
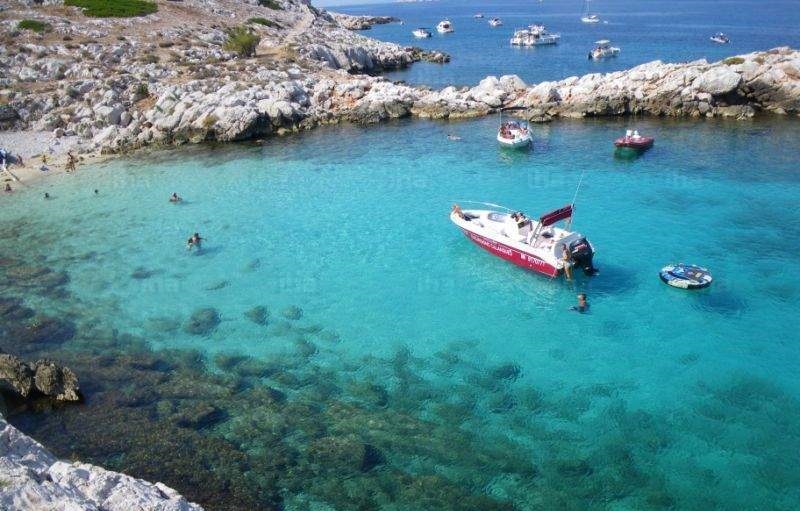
(32, 479)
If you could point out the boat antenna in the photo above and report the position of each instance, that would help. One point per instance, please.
(577, 188)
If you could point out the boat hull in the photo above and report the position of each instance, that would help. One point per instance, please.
(639, 145)
(515, 143)
(525, 260)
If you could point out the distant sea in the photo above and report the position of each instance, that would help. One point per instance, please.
(673, 31)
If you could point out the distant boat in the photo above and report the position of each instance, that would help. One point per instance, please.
(478, 16)
(720, 38)
(588, 18)
(495, 22)
(534, 35)
(633, 140)
(421, 33)
(445, 27)
(603, 50)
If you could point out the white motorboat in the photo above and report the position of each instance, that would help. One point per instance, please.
(603, 50)
(534, 35)
(445, 27)
(720, 38)
(514, 134)
(536, 245)
(590, 18)
(421, 33)
(478, 16)
(495, 22)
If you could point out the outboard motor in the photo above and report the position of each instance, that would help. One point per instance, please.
(582, 253)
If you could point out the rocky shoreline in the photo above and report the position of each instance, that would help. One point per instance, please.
(31, 478)
(174, 79)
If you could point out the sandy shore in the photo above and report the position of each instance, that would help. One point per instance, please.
(32, 146)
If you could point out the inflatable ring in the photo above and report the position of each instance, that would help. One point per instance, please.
(685, 276)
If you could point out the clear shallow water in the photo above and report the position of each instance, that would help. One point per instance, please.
(670, 31)
(657, 398)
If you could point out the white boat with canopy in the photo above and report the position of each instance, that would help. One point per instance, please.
(603, 50)
(536, 245)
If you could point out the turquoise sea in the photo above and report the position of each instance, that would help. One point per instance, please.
(339, 345)
(674, 31)
(401, 364)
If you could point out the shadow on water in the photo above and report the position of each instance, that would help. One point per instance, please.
(720, 300)
(611, 279)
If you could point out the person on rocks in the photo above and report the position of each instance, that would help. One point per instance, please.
(8, 189)
(175, 198)
(194, 241)
(3, 159)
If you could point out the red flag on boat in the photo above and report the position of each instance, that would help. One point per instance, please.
(556, 215)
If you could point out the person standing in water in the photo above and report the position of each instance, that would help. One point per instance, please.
(565, 257)
(174, 198)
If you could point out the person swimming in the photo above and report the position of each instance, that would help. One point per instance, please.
(583, 305)
(194, 241)
(46, 195)
(174, 198)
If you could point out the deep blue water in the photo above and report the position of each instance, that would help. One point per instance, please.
(658, 398)
(673, 31)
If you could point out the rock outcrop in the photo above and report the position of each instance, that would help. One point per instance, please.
(32, 479)
(362, 22)
(43, 377)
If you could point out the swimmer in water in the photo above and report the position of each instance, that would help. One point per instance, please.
(174, 198)
(46, 195)
(453, 137)
(194, 241)
(583, 305)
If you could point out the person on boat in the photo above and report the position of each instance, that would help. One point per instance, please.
(628, 133)
(194, 241)
(457, 210)
(567, 259)
(174, 198)
(583, 305)
(636, 134)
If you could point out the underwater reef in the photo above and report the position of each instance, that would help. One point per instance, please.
(316, 427)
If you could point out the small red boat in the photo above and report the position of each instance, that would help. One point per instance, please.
(632, 140)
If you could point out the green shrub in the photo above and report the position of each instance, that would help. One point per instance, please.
(114, 8)
(35, 26)
(264, 21)
(242, 41)
(270, 4)
(732, 61)
(142, 90)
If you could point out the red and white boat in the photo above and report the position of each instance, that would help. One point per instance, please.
(533, 244)
(633, 140)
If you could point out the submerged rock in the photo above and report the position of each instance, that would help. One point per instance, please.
(344, 454)
(293, 312)
(202, 321)
(12, 309)
(258, 315)
(42, 329)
